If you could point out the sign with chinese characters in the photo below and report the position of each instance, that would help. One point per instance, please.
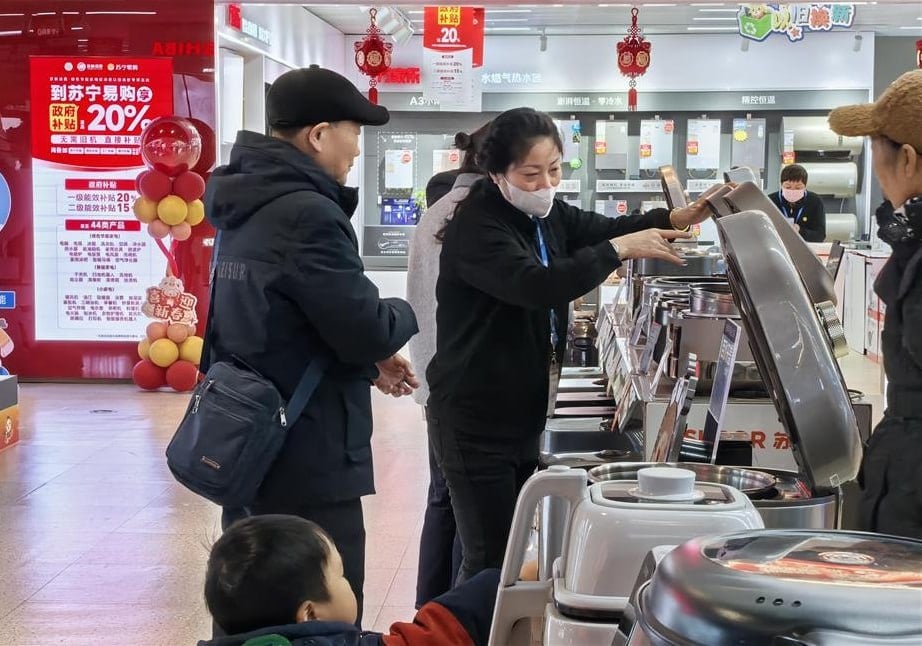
(512, 78)
(91, 256)
(90, 111)
(170, 302)
(759, 21)
(236, 20)
(452, 52)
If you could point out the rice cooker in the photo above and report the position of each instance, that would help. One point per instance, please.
(780, 587)
(610, 528)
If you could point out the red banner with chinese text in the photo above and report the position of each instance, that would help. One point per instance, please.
(454, 28)
(89, 111)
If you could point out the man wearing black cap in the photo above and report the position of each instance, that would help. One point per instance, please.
(291, 288)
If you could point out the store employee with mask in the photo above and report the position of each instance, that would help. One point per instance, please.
(512, 259)
(804, 209)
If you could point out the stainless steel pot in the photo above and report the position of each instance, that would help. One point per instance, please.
(713, 300)
(648, 288)
(752, 483)
(783, 498)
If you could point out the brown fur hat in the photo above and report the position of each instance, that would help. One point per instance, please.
(896, 115)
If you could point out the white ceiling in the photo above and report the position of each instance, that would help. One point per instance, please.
(885, 18)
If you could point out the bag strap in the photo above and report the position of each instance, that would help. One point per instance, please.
(305, 388)
(205, 363)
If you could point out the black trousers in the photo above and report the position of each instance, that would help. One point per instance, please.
(891, 479)
(484, 473)
(343, 521)
(439, 543)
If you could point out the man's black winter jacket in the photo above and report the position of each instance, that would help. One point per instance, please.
(291, 287)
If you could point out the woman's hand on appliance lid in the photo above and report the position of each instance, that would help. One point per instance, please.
(652, 243)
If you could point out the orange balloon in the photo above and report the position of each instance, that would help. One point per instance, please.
(181, 231)
(158, 229)
(178, 332)
(156, 330)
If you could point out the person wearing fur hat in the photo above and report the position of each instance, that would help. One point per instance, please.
(891, 472)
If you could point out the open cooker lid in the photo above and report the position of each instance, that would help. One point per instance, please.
(750, 587)
(792, 350)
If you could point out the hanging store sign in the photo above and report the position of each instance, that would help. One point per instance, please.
(759, 21)
(452, 52)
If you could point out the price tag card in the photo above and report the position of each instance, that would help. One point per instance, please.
(661, 367)
(640, 323)
(646, 358)
(720, 391)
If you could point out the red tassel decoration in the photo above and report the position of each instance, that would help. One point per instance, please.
(633, 58)
(373, 55)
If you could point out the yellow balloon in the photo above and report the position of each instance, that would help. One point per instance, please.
(163, 352)
(144, 349)
(145, 210)
(191, 350)
(196, 212)
(172, 210)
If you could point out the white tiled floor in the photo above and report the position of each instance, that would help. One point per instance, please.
(100, 546)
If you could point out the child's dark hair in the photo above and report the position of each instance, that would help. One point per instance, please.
(262, 569)
(794, 173)
(511, 136)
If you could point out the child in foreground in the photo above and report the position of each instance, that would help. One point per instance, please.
(278, 581)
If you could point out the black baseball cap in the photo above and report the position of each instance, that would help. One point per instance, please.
(313, 95)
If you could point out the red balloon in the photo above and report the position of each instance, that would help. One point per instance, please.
(182, 376)
(154, 185)
(148, 376)
(209, 147)
(171, 145)
(189, 186)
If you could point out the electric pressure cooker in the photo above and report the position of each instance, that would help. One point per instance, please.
(781, 588)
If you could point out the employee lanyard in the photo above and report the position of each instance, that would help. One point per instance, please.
(546, 261)
(788, 213)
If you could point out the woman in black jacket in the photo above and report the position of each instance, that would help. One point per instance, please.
(512, 259)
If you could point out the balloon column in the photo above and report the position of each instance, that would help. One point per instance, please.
(170, 203)
(170, 352)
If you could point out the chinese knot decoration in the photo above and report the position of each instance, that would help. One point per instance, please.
(633, 57)
(373, 56)
(170, 352)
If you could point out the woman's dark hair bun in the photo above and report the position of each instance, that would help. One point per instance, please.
(463, 141)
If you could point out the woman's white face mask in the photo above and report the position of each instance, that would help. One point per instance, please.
(537, 203)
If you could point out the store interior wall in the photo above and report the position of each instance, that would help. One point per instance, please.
(893, 56)
(717, 64)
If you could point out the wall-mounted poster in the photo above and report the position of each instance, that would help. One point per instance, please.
(92, 259)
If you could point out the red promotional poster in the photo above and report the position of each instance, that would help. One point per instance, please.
(92, 258)
(454, 28)
(452, 51)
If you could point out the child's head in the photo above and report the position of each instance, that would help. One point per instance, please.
(276, 570)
